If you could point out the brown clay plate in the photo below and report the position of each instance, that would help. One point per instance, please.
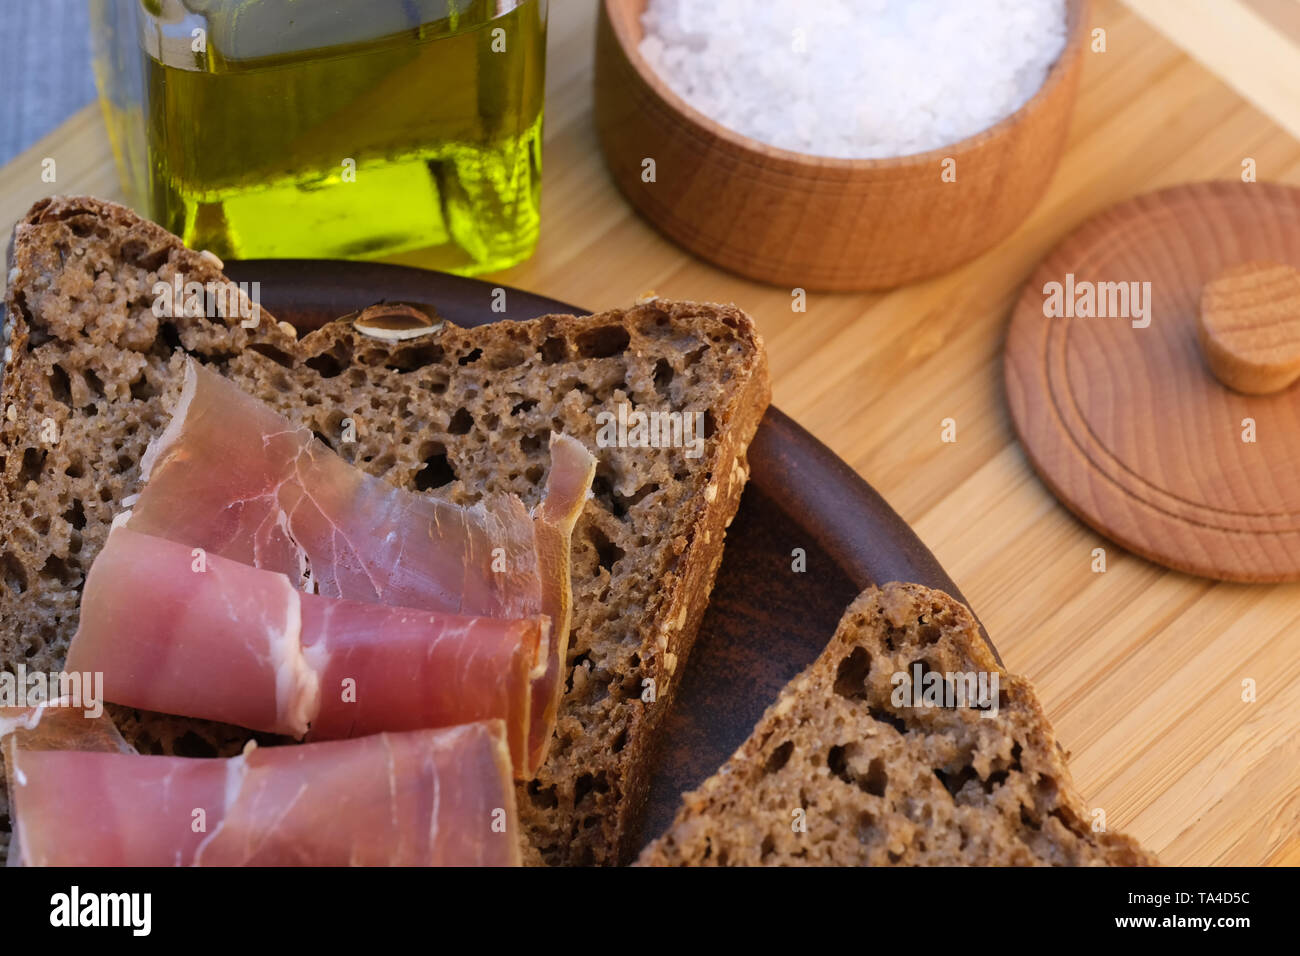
(765, 622)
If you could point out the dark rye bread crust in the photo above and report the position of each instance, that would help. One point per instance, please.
(457, 413)
(885, 785)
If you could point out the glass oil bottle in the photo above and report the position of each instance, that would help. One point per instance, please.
(330, 128)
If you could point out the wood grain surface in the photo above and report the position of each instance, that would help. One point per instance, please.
(1249, 326)
(1116, 405)
(1139, 668)
(1254, 45)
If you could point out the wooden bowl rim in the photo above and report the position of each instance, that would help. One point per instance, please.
(1076, 24)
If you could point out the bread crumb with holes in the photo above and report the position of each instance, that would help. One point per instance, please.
(891, 784)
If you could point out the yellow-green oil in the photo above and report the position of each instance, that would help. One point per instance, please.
(425, 139)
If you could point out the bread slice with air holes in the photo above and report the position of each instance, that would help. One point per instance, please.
(457, 413)
(836, 773)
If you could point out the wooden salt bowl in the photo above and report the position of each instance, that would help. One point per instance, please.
(810, 222)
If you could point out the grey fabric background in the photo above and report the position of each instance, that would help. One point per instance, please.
(45, 73)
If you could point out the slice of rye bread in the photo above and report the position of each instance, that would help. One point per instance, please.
(882, 785)
(456, 413)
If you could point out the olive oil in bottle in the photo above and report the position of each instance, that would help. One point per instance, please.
(335, 128)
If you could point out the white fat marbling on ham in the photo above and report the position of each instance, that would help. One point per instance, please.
(243, 646)
(233, 477)
(171, 435)
(421, 798)
(51, 725)
(297, 682)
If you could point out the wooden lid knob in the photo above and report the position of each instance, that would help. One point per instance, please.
(1249, 327)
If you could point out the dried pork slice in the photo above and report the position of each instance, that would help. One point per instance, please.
(567, 488)
(177, 631)
(62, 724)
(59, 725)
(233, 477)
(420, 798)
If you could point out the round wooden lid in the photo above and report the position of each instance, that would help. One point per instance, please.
(1116, 404)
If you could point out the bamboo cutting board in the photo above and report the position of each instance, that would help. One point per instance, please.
(1141, 670)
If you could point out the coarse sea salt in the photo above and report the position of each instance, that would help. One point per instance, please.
(855, 79)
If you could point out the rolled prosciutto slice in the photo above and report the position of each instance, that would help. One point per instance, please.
(175, 630)
(421, 798)
(232, 476)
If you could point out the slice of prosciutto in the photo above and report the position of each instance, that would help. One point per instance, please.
(52, 725)
(421, 798)
(58, 725)
(181, 632)
(232, 476)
